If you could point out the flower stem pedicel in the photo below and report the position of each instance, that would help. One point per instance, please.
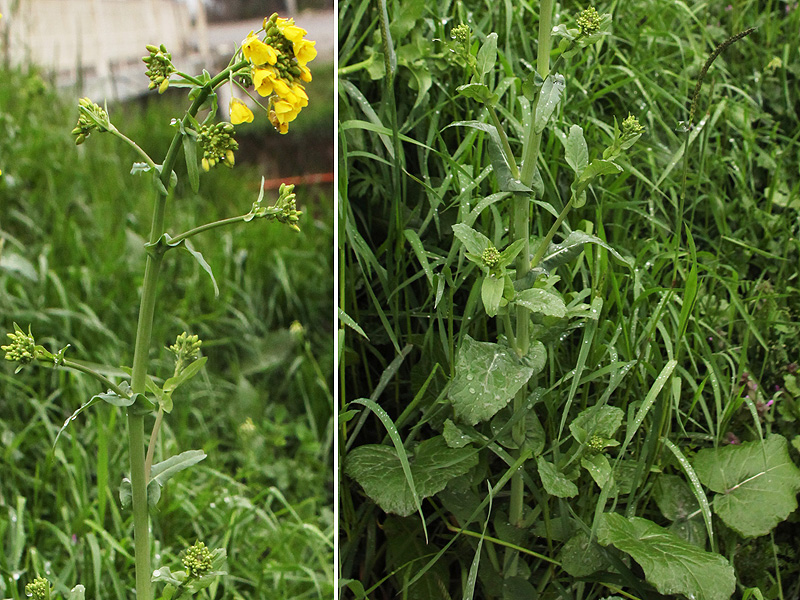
(274, 62)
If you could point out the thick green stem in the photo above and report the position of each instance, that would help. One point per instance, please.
(521, 230)
(136, 438)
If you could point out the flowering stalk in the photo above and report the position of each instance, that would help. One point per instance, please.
(144, 328)
(521, 231)
(275, 66)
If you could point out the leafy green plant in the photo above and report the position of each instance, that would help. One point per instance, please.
(277, 64)
(526, 291)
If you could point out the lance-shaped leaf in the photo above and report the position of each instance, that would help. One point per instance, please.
(671, 564)
(756, 486)
(378, 470)
(549, 98)
(571, 247)
(487, 55)
(575, 149)
(487, 377)
(474, 241)
(491, 293)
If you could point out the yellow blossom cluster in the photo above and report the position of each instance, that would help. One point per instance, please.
(280, 66)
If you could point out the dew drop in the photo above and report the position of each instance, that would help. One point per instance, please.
(471, 390)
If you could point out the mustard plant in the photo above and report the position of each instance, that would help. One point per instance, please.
(273, 63)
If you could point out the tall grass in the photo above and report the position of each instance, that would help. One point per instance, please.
(72, 225)
(709, 220)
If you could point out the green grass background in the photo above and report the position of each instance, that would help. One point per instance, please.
(741, 203)
(73, 221)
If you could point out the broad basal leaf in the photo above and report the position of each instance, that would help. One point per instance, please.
(541, 301)
(487, 377)
(378, 470)
(671, 564)
(756, 487)
(581, 557)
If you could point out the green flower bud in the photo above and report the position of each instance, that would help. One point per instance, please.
(197, 560)
(631, 127)
(589, 21)
(460, 33)
(490, 256)
(217, 144)
(38, 589)
(596, 443)
(159, 67)
(22, 348)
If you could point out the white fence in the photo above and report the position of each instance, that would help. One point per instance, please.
(99, 38)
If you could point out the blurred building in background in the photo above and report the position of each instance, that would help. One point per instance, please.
(97, 45)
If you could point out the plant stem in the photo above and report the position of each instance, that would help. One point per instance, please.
(151, 447)
(521, 231)
(133, 145)
(71, 364)
(542, 248)
(229, 221)
(144, 328)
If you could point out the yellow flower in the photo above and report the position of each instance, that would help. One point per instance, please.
(285, 112)
(293, 33)
(282, 128)
(240, 113)
(282, 88)
(264, 80)
(305, 73)
(304, 51)
(300, 93)
(257, 52)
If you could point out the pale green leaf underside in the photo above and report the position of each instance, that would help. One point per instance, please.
(671, 564)
(378, 470)
(756, 488)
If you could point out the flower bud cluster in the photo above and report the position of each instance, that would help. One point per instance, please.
(596, 443)
(491, 257)
(159, 67)
(38, 589)
(288, 207)
(217, 144)
(589, 21)
(460, 33)
(186, 347)
(279, 68)
(197, 560)
(22, 348)
(92, 117)
(631, 127)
